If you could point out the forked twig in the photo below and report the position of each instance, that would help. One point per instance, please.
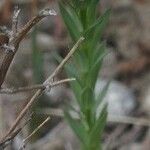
(34, 87)
(39, 92)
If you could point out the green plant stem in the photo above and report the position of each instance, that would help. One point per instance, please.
(80, 19)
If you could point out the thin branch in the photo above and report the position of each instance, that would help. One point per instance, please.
(34, 87)
(65, 60)
(40, 126)
(39, 92)
(25, 141)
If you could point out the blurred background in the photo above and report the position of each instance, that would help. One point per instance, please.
(127, 63)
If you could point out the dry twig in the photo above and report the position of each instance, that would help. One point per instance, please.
(39, 92)
(34, 87)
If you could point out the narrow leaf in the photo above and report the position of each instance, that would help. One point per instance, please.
(71, 20)
(77, 127)
(96, 132)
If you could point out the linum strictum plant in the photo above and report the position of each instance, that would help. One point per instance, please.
(80, 18)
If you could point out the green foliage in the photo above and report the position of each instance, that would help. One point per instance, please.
(78, 128)
(81, 19)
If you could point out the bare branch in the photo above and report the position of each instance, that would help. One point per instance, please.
(39, 92)
(34, 87)
(64, 60)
